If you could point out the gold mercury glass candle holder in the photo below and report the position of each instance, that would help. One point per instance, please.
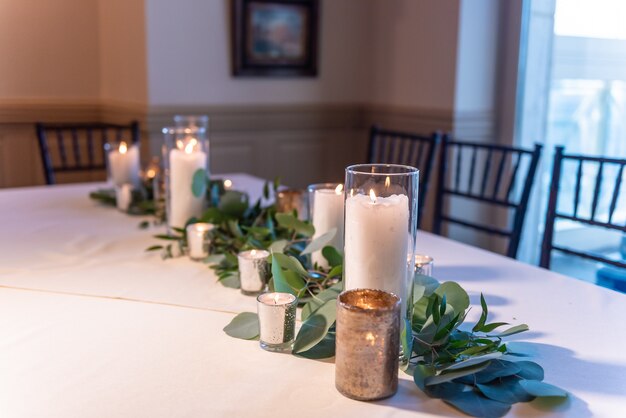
(253, 271)
(368, 342)
(199, 240)
(277, 321)
(288, 200)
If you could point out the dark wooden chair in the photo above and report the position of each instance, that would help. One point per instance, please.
(79, 147)
(393, 147)
(592, 219)
(496, 175)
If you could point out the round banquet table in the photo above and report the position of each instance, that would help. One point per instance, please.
(91, 325)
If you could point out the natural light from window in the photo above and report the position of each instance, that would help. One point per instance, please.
(591, 18)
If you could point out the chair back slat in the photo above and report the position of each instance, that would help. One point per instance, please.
(553, 213)
(496, 183)
(596, 191)
(396, 147)
(485, 188)
(486, 171)
(75, 138)
(616, 190)
(579, 175)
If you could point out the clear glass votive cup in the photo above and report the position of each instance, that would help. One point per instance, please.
(380, 229)
(367, 344)
(277, 321)
(424, 264)
(253, 271)
(199, 240)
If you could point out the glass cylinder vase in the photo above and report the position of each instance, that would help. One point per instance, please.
(186, 163)
(380, 229)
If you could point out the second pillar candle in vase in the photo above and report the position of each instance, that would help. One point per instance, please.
(380, 228)
(326, 213)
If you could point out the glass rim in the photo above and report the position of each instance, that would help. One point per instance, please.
(174, 130)
(194, 117)
(392, 304)
(359, 169)
(323, 186)
(293, 299)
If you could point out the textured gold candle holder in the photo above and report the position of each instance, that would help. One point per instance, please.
(367, 344)
(289, 199)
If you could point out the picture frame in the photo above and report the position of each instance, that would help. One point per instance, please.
(274, 38)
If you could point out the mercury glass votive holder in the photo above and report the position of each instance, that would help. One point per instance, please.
(199, 240)
(277, 321)
(288, 200)
(253, 271)
(367, 344)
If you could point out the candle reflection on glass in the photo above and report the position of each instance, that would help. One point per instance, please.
(199, 240)
(367, 344)
(277, 321)
(253, 271)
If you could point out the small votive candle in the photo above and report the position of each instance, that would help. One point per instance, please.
(424, 264)
(253, 271)
(368, 343)
(277, 321)
(123, 196)
(289, 200)
(199, 240)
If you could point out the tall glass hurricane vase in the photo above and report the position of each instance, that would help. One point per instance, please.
(186, 161)
(380, 229)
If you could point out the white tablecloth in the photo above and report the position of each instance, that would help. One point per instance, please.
(92, 326)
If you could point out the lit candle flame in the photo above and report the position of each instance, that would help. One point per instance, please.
(179, 144)
(228, 184)
(151, 173)
(190, 146)
(253, 253)
(339, 189)
(387, 182)
(276, 299)
(123, 147)
(372, 196)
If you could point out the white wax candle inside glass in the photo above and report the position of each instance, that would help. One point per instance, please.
(124, 164)
(253, 270)
(327, 214)
(376, 243)
(277, 320)
(123, 196)
(198, 240)
(183, 165)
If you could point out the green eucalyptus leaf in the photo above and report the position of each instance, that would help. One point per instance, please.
(542, 389)
(474, 360)
(423, 286)
(316, 326)
(233, 203)
(286, 280)
(323, 349)
(335, 271)
(530, 370)
(321, 298)
(506, 390)
(244, 326)
(320, 242)
(420, 373)
(231, 280)
(333, 256)
(289, 221)
(444, 390)
(168, 237)
(199, 183)
(492, 326)
(455, 295)
(449, 375)
(154, 248)
(476, 405)
(498, 369)
(406, 340)
(290, 263)
(483, 315)
(513, 330)
(278, 246)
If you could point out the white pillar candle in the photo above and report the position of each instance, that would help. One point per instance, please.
(183, 165)
(124, 164)
(327, 214)
(198, 240)
(376, 243)
(253, 271)
(277, 320)
(123, 196)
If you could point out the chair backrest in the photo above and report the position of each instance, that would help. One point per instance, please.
(591, 216)
(496, 175)
(74, 147)
(394, 147)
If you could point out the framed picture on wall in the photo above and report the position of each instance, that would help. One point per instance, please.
(274, 37)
